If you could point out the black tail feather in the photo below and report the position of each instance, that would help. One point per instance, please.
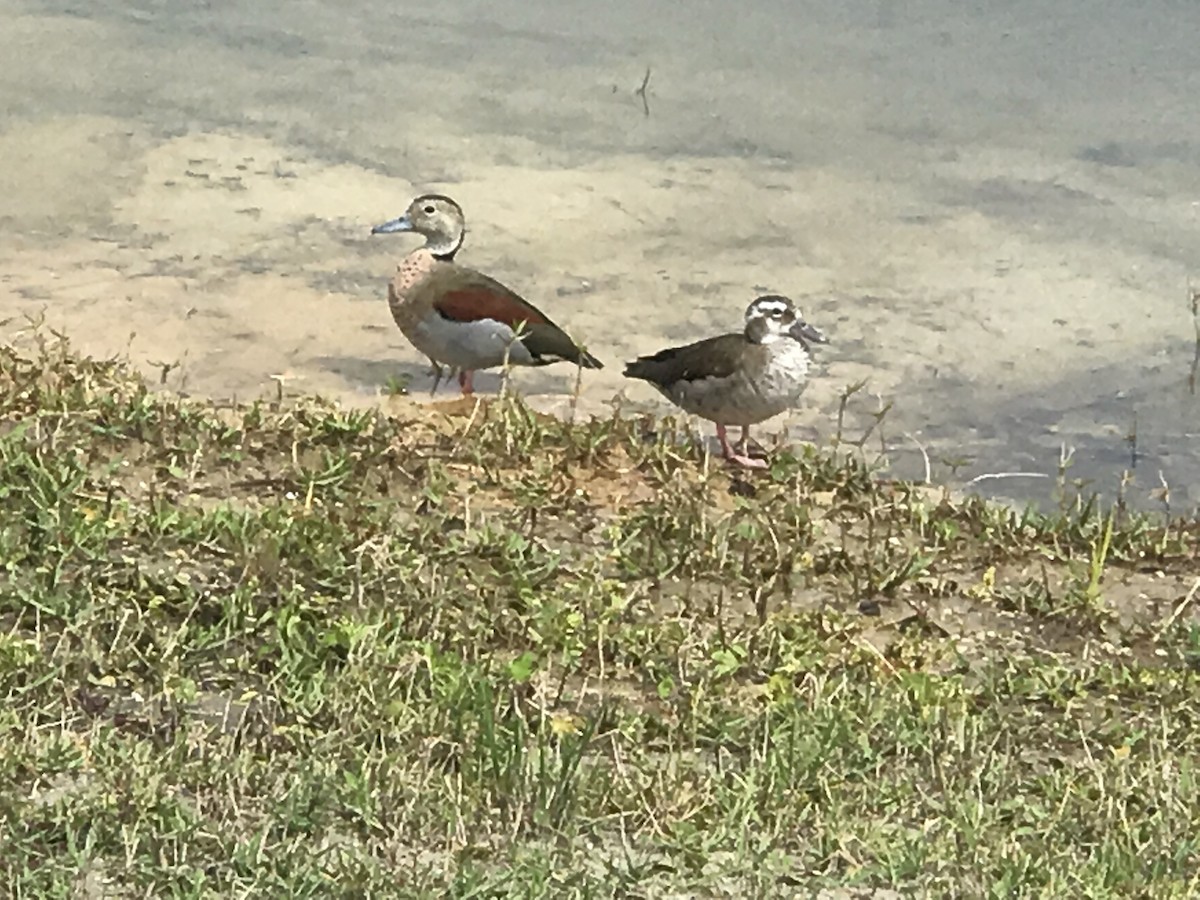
(588, 361)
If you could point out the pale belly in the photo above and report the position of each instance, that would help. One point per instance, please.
(466, 345)
(741, 399)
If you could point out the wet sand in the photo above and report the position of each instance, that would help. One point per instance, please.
(993, 216)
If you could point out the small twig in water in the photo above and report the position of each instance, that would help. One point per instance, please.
(1132, 440)
(1163, 494)
(641, 92)
(990, 476)
(924, 456)
(1194, 300)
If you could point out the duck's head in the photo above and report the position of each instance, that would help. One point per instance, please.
(435, 217)
(772, 317)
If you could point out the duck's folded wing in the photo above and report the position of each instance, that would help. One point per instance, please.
(464, 295)
(715, 357)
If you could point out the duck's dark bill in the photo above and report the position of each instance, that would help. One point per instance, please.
(806, 332)
(394, 225)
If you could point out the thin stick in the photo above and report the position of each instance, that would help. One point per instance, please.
(506, 365)
(577, 391)
(993, 475)
(924, 455)
(641, 92)
(1194, 300)
(1179, 609)
(470, 421)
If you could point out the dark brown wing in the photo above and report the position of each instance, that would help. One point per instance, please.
(464, 295)
(715, 357)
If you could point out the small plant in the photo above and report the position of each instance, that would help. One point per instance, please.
(396, 385)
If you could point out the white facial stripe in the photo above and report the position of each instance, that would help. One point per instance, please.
(771, 310)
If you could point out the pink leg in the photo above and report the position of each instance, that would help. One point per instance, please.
(466, 380)
(744, 444)
(731, 456)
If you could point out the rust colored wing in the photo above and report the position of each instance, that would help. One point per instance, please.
(463, 295)
(473, 302)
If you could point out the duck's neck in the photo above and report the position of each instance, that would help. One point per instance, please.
(444, 247)
(757, 331)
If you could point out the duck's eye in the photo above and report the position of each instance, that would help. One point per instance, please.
(429, 210)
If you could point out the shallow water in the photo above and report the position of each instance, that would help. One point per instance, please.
(992, 210)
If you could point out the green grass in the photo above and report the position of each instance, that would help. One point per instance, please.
(292, 650)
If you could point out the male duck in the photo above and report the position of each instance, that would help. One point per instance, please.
(460, 317)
